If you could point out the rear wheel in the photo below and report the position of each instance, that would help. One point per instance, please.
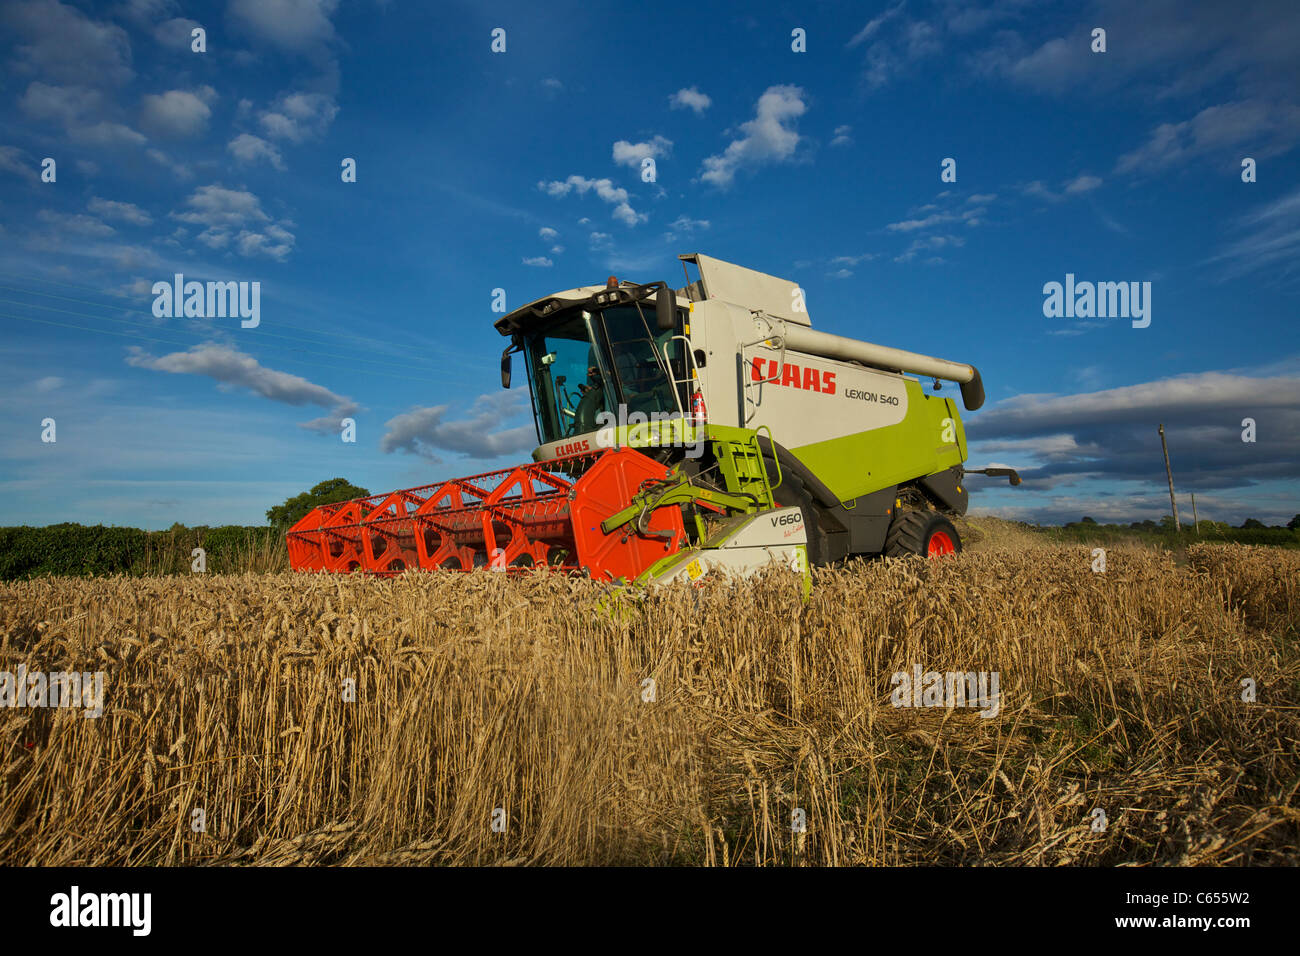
(921, 533)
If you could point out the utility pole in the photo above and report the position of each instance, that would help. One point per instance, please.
(1195, 520)
(1169, 472)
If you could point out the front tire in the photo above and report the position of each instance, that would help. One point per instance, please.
(921, 533)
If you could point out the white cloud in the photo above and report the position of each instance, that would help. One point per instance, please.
(145, 13)
(690, 98)
(853, 260)
(1057, 65)
(684, 224)
(274, 242)
(177, 114)
(632, 154)
(1071, 187)
(927, 243)
(299, 26)
(1270, 240)
(603, 188)
(64, 104)
(81, 111)
(125, 211)
(1110, 434)
(842, 137)
(945, 210)
(1179, 396)
(180, 170)
(248, 148)
(547, 233)
(1268, 128)
(77, 223)
(922, 40)
(217, 206)
(873, 26)
(299, 116)
(1189, 48)
(887, 58)
(236, 216)
(687, 224)
(176, 34)
(767, 138)
(108, 134)
(139, 287)
(910, 225)
(1040, 191)
(424, 430)
(14, 160)
(233, 368)
(56, 41)
(540, 261)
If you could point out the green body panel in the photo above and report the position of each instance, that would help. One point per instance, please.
(864, 462)
(673, 432)
(740, 460)
(851, 466)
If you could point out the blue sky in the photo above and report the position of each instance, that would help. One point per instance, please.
(520, 170)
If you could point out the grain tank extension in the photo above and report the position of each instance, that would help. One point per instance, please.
(680, 432)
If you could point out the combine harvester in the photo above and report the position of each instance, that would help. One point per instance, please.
(682, 431)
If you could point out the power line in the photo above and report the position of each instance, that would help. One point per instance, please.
(112, 318)
(147, 325)
(146, 338)
(82, 328)
(104, 305)
(73, 285)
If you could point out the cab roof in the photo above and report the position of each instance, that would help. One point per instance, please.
(597, 296)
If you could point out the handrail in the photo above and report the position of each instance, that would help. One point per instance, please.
(748, 381)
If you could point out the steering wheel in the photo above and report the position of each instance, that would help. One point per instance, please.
(584, 419)
(567, 399)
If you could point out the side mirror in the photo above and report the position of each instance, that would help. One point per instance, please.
(666, 309)
(505, 368)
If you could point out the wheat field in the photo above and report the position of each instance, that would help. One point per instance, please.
(488, 719)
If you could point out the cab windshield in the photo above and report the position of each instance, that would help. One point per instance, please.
(585, 363)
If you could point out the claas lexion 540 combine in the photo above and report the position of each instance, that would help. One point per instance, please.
(685, 431)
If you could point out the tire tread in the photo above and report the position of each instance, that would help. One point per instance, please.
(906, 534)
